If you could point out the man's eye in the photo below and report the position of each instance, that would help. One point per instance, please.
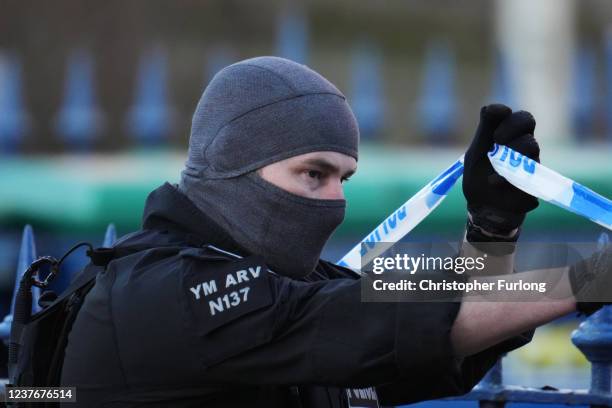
(345, 179)
(314, 174)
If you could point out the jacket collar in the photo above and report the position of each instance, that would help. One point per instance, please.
(166, 208)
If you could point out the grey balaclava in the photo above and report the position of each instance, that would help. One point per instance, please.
(253, 113)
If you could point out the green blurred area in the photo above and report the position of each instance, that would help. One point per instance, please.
(83, 193)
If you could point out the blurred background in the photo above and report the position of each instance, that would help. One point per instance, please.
(96, 101)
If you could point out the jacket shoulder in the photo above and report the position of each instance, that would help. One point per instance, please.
(153, 241)
(334, 271)
(208, 253)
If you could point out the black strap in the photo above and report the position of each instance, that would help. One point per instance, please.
(101, 256)
(72, 309)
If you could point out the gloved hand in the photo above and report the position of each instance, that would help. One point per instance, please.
(497, 208)
(591, 281)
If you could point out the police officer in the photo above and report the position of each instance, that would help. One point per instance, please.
(223, 300)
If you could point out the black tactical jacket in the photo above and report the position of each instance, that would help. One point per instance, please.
(188, 320)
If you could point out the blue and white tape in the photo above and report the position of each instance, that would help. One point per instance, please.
(542, 182)
(405, 218)
(521, 171)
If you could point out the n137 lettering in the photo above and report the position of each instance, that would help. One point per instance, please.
(229, 300)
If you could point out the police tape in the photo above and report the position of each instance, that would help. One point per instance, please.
(521, 171)
(404, 219)
(542, 182)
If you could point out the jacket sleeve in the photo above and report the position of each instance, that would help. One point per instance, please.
(293, 332)
(457, 379)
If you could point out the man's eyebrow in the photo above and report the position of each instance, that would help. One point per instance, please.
(327, 166)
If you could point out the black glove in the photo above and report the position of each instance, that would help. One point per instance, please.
(495, 206)
(591, 281)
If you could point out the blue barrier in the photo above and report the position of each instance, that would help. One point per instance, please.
(292, 34)
(110, 236)
(27, 255)
(14, 119)
(608, 81)
(79, 120)
(150, 117)
(367, 95)
(438, 100)
(584, 102)
(502, 82)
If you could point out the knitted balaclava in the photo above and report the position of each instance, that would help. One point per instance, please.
(253, 113)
